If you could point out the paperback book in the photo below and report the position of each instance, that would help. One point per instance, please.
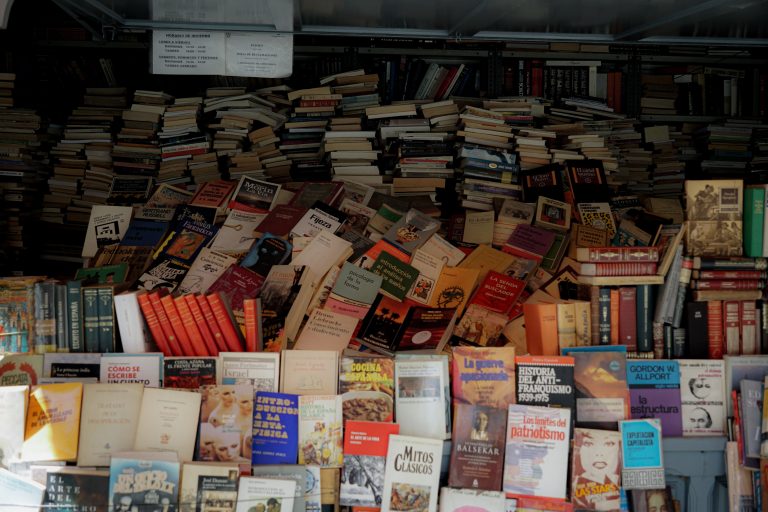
(365, 452)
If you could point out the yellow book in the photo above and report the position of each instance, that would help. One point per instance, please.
(566, 325)
(485, 258)
(454, 288)
(53, 422)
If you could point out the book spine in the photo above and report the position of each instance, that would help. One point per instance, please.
(566, 325)
(682, 291)
(583, 323)
(740, 284)
(91, 318)
(202, 324)
(617, 254)
(619, 269)
(644, 315)
(729, 275)
(731, 326)
(251, 326)
(45, 317)
(658, 340)
(165, 324)
(749, 345)
(75, 313)
(153, 323)
(213, 325)
(763, 324)
(106, 319)
(705, 295)
(730, 264)
(628, 317)
(62, 319)
(614, 316)
(190, 326)
(594, 314)
(697, 330)
(604, 327)
(678, 342)
(754, 218)
(227, 326)
(715, 329)
(668, 334)
(177, 325)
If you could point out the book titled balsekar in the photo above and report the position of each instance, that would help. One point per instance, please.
(367, 388)
(641, 454)
(484, 376)
(702, 394)
(365, 452)
(412, 474)
(537, 448)
(477, 453)
(654, 392)
(275, 428)
(596, 469)
(141, 480)
(545, 381)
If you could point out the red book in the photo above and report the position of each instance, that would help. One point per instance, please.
(165, 324)
(731, 327)
(715, 329)
(614, 316)
(594, 313)
(498, 292)
(251, 325)
(213, 325)
(153, 323)
(610, 99)
(749, 344)
(202, 324)
(190, 325)
(227, 326)
(628, 317)
(730, 275)
(627, 268)
(741, 284)
(281, 219)
(446, 82)
(213, 194)
(616, 254)
(177, 324)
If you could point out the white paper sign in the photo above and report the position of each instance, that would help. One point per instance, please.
(259, 54)
(181, 52)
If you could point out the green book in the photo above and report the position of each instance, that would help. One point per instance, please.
(754, 216)
(397, 276)
(91, 318)
(106, 313)
(75, 315)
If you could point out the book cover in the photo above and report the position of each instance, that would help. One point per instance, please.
(268, 250)
(412, 474)
(529, 242)
(538, 439)
(464, 500)
(354, 291)
(498, 292)
(586, 181)
(252, 195)
(543, 181)
(641, 454)
(146, 369)
(236, 284)
(140, 483)
(13, 408)
(204, 482)
(484, 376)
(309, 372)
(226, 422)
(714, 209)
(281, 220)
(204, 271)
(236, 235)
(271, 495)
(76, 490)
(596, 469)
(108, 421)
(383, 326)
(397, 277)
(324, 251)
(751, 403)
(260, 370)
(275, 428)
(654, 392)
(17, 314)
(454, 288)
(477, 449)
(426, 329)
(552, 214)
(702, 395)
(213, 194)
(23, 493)
(106, 226)
(53, 422)
(600, 375)
(189, 372)
(319, 218)
(546, 381)
(366, 386)
(295, 472)
(412, 230)
(320, 430)
(286, 288)
(598, 216)
(429, 268)
(326, 330)
(20, 369)
(365, 452)
(421, 396)
(480, 326)
(168, 420)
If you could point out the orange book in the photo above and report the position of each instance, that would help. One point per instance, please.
(177, 325)
(190, 325)
(218, 336)
(153, 323)
(202, 324)
(227, 326)
(53, 422)
(165, 324)
(251, 325)
(614, 316)
(541, 329)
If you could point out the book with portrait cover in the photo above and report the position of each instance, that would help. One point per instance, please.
(275, 428)
(320, 430)
(484, 376)
(538, 440)
(365, 452)
(654, 392)
(602, 395)
(267, 493)
(76, 490)
(466, 500)
(226, 423)
(714, 210)
(189, 372)
(545, 380)
(204, 482)
(367, 387)
(477, 451)
(702, 395)
(596, 469)
(642, 459)
(139, 480)
(412, 474)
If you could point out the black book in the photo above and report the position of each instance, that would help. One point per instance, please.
(545, 181)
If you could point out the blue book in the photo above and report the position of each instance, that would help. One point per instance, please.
(140, 483)
(641, 454)
(604, 325)
(275, 428)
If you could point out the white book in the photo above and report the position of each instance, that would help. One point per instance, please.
(107, 225)
(325, 251)
(205, 270)
(702, 397)
(13, 410)
(459, 500)
(193, 474)
(412, 474)
(258, 369)
(134, 333)
(253, 491)
(168, 421)
(19, 494)
(144, 368)
(309, 372)
(421, 396)
(108, 421)
(236, 235)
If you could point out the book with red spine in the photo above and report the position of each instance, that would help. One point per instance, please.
(251, 325)
(225, 322)
(614, 316)
(731, 327)
(627, 268)
(202, 324)
(749, 344)
(177, 324)
(190, 325)
(628, 317)
(498, 292)
(594, 313)
(213, 325)
(617, 254)
(740, 284)
(715, 329)
(730, 275)
(165, 324)
(153, 323)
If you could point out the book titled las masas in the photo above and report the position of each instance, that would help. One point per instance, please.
(484, 376)
(641, 454)
(142, 480)
(477, 453)
(412, 474)
(275, 428)
(654, 392)
(536, 451)
(365, 452)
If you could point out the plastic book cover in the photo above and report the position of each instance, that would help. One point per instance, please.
(596, 469)
(275, 428)
(137, 484)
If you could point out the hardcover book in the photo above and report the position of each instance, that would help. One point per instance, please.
(654, 392)
(168, 420)
(412, 474)
(189, 372)
(226, 421)
(366, 386)
(236, 284)
(702, 395)
(596, 469)
(365, 452)
(275, 428)
(538, 439)
(543, 181)
(53, 422)
(546, 381)
(477, 450)
(138, 480)
(484, 376)
(641, 454)
(320, 430)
